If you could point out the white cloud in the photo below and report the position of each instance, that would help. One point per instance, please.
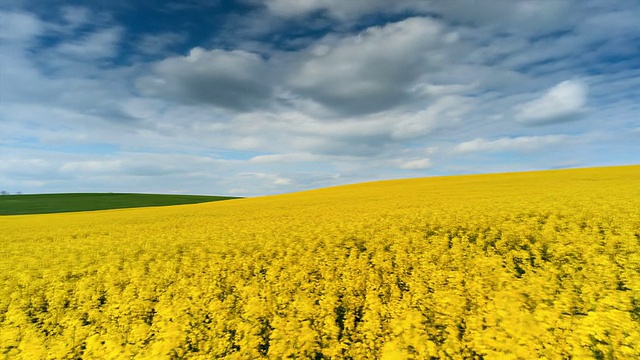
(154, 44)
(520, 143)
(101, 44)
(282, 181)
(238, 191)
(76, 16)
(265, 180)
(118, 172)
(19, 26)
(20, 167)
(338, 8)
(92, 166)
(562, 102)
(355, 75)
(141, 164)
(443, 90)
(292, 7)
(234, 80)
(447, 111)
(528, 17)
(287, 158)
(298, 137)
(417, 164)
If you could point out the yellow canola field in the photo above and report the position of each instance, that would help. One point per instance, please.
(508, 266)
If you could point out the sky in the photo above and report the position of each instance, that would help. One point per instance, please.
(258, 97)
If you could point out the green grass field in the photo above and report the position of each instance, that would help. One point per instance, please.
(56, 203)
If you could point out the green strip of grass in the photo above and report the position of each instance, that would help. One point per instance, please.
(56, 203)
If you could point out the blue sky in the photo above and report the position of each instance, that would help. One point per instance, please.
(260, 97)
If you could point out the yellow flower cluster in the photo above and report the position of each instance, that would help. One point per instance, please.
(511, 266)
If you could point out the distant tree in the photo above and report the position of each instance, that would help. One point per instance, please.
(4, 192)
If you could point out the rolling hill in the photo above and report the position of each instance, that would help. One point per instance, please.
(72, 202)
(538, 264)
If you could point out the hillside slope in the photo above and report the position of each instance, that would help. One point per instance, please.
(521, 265)
(56, 203)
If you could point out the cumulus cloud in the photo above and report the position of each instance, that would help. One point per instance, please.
(356, 75)
(234, 80)
(519, 143)
(560, 103)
